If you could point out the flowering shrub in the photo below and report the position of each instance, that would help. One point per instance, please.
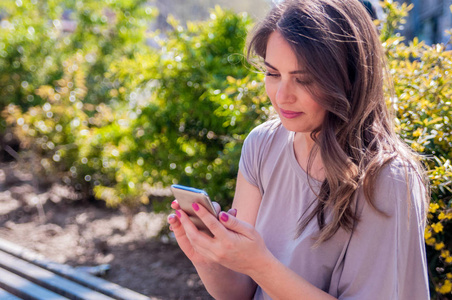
(422, 103)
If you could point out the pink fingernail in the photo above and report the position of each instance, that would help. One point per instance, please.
(178, 214)
(195, 206)
(224, 217)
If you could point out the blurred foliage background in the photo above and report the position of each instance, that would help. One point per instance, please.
(93, 105)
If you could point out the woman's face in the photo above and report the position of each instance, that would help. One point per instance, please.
(286, 86)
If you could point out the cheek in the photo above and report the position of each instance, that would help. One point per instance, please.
(316, 107)
(313, 105)
(320, 113)
(316, 110)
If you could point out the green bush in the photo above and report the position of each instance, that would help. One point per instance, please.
(203, 101)
(57, 81)
(36, 43)
(179, 116)
(30, 53)
(422, 102)
(55, 132)
(423, 106)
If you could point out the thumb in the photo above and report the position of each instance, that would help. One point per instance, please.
(232, 223)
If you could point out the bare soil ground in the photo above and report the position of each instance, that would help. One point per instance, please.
(77, 232)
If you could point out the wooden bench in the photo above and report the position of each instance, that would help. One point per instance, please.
(26, 275)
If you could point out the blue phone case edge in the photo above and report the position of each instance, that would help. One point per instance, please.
(187, 188)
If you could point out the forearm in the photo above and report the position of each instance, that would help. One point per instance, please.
(280, 282)
(223, 283)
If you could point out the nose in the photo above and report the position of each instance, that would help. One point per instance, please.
(285, 93)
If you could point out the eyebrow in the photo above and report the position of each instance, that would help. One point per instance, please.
(292, 72)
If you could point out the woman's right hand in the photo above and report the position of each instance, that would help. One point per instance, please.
(182, 239)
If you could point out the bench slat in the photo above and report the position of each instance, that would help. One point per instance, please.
(4, 295)
(24, 288)
(106, 287)
(48, 279)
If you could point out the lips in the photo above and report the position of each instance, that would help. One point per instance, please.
(288, 114)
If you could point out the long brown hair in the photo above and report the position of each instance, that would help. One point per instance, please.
(336, 42)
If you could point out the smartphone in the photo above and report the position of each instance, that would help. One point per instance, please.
(186, 196)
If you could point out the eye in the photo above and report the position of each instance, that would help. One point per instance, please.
(303, 81)
(271, 74)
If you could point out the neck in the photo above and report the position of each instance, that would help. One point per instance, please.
(302, 146)
(303, 142)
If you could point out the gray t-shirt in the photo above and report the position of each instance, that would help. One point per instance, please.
(383, 258)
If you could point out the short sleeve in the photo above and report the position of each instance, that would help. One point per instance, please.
(248, 164)
(386, 256)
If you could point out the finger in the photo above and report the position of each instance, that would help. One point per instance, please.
(217, 207)
(175, 205)
(232, 223)
(181, 237)
(175, 225)
(233, 212)
(172, 219)
(198, 239)
(188, 224)
(209, 220)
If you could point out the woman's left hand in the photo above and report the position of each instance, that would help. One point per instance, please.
(235, 245)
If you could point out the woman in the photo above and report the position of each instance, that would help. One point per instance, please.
(330, 203)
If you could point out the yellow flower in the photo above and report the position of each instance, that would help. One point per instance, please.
(430, 241)
(428, 234)
(415, 146)
(418, 132)
(433, 207)
(449, 275)
(448, 259)
(446, 287)
(445, 253)
(441, 216)
(439, 246)
(437, 227)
